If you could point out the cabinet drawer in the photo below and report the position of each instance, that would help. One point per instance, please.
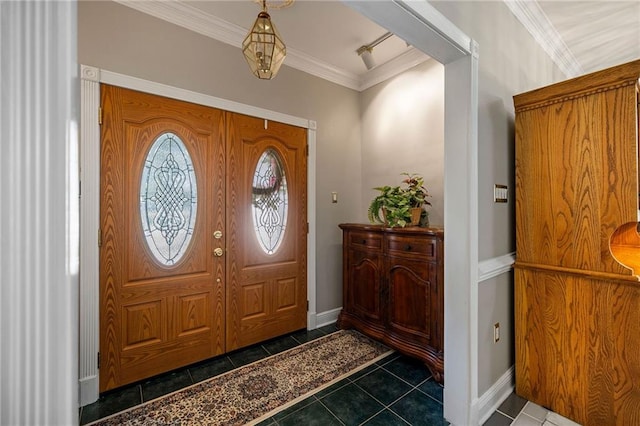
(365, 240)
(424, 247)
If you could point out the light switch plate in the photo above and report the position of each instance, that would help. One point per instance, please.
(500, 193)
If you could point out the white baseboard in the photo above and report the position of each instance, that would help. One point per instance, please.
(312, 320)
(89, 393)
(489, 402)
(328, 317)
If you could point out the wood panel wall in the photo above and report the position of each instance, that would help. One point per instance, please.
(578, 307)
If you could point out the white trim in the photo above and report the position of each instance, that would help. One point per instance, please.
(533, 18)
(453, 42)
(160, 89)
(89, 163)
(489, 402)
(490, 268)
(39, 224)
(311, 218)
(307, 63)
(472, 179)
(426, 29)
(328, 317)
(192, 18)
(89, 388)
(89, 224)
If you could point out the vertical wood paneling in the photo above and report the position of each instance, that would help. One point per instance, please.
(39, 220)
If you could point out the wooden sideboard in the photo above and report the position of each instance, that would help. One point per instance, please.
(393, 289)
(577, 290)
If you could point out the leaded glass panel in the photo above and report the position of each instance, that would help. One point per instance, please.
(168, 199)
(270, 198)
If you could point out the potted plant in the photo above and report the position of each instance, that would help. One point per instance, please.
(400, 206)
(417, 197)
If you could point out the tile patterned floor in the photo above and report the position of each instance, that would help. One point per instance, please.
(396, 390)
(517, 411)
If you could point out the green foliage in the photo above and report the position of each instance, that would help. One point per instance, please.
(394, 203)
(415, 190)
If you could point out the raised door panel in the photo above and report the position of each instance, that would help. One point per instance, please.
(409, 304)
(363, 293)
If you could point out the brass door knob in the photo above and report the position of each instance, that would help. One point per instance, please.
(218, 252)
(217, 235)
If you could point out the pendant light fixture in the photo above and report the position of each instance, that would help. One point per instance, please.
(263, 47)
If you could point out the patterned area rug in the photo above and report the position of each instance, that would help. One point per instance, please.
(256, 391)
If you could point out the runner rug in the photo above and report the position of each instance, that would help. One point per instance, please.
(259, 390)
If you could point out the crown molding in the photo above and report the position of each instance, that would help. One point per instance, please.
(533, 18)
(191, 18)
(311, 65)
(208, 25)
(194, 19)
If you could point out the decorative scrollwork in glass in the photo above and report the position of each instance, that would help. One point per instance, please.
(270, 200)
(168, 199)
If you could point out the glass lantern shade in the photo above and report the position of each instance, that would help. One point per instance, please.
(263, 48)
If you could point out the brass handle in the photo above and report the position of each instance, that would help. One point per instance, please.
(217, 235)
(218, 252)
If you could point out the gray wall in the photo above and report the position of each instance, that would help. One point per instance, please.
(403, 131)
(510, 62)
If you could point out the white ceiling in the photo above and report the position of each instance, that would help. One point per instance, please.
(322, 36)
(583, 36)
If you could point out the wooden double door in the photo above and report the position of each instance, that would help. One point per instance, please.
(203, 233)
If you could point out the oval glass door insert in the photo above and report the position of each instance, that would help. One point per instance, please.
(168, 199)
(270, 201)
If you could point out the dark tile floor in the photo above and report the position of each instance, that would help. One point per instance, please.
(397, 390)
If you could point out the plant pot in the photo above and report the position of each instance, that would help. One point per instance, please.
(416, 212)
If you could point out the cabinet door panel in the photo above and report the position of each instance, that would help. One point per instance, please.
(363, 295)
(410, 298)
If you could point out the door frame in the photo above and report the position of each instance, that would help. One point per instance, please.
(426, 29)
(89, 319)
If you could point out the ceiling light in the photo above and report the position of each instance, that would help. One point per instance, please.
(367, 57)
(366, 52)
(263, 47)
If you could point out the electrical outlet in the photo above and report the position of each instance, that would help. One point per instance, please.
(496, 332)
